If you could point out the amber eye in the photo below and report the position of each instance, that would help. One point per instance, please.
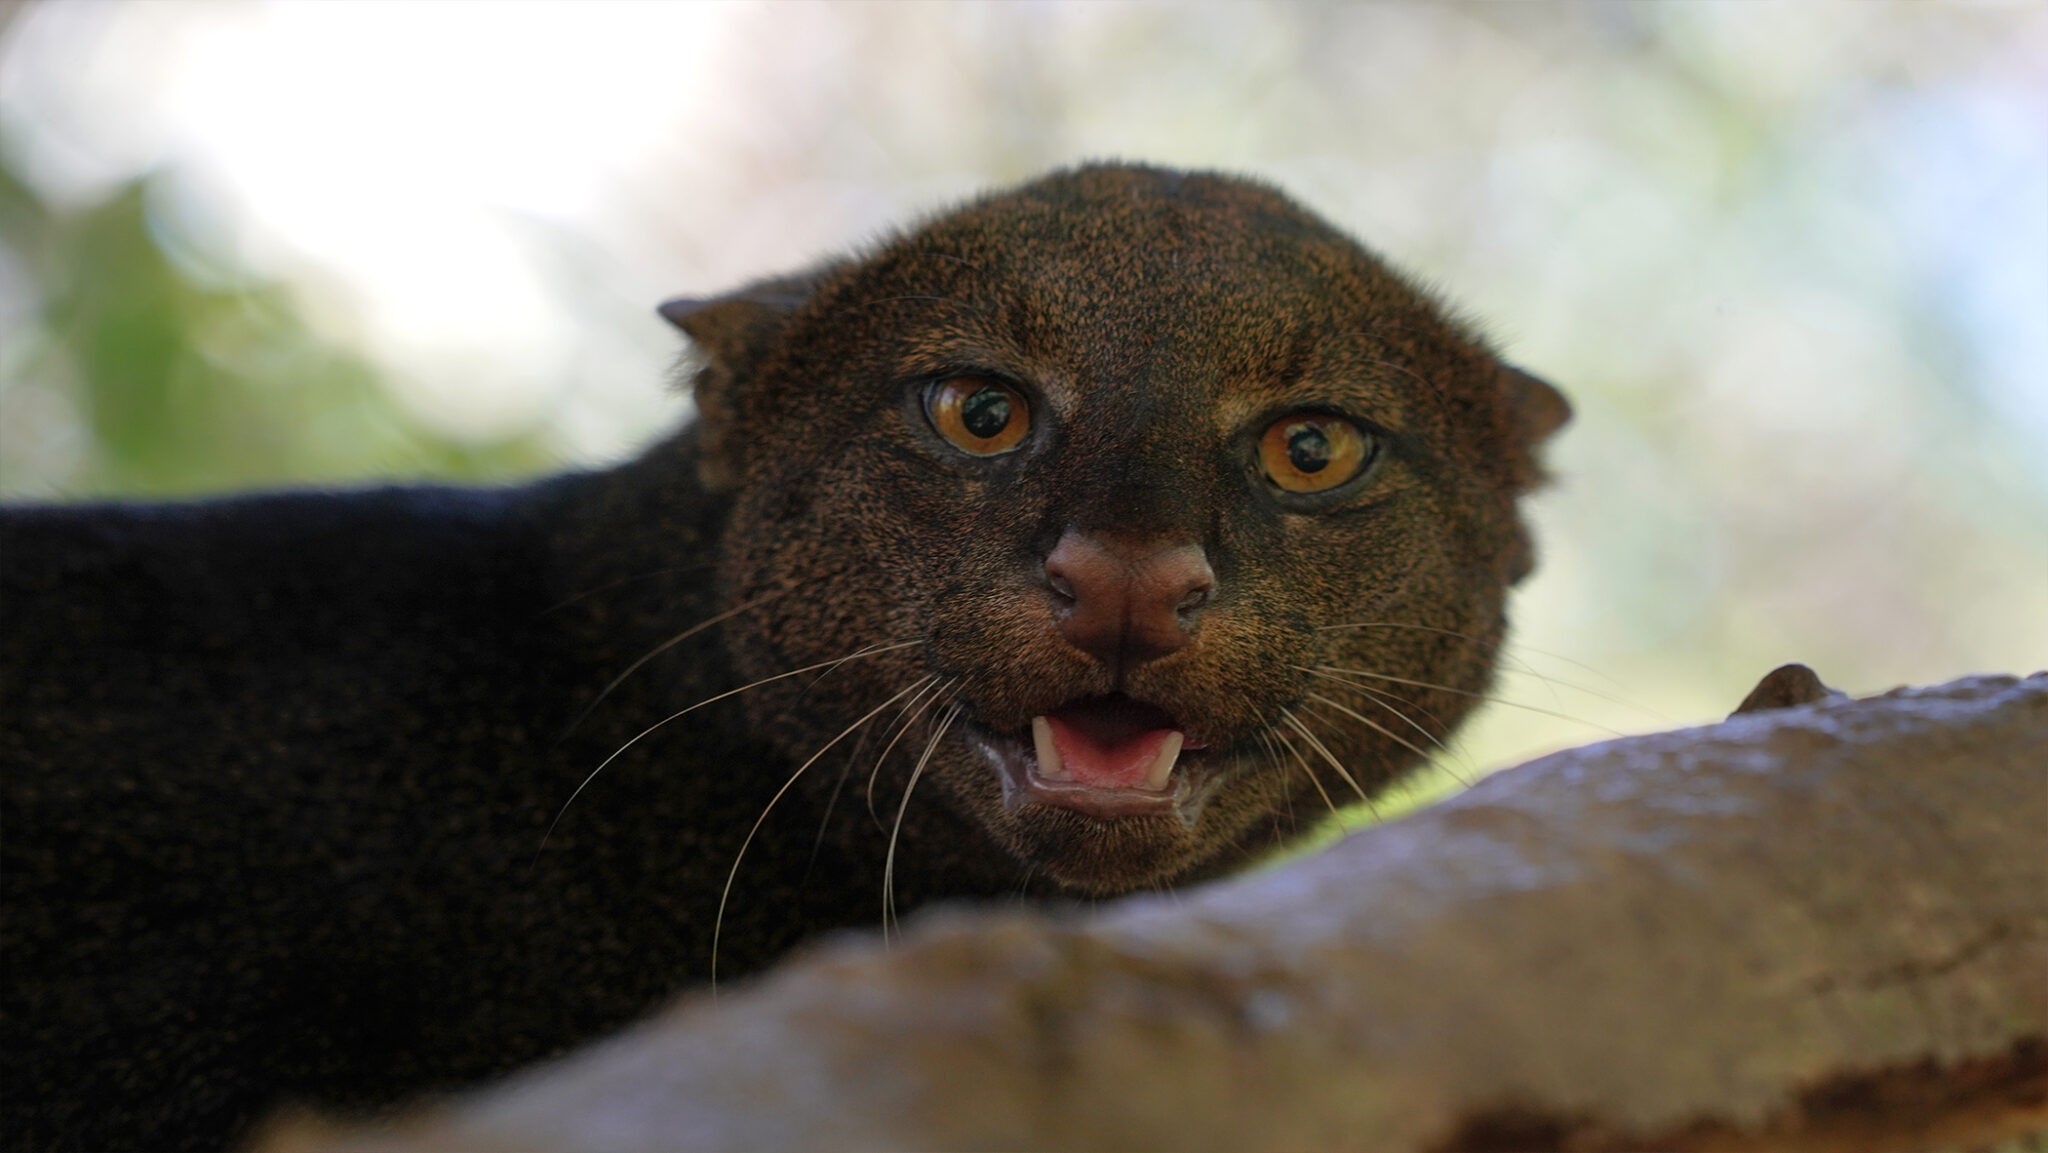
(1309, 452)
(980, 416)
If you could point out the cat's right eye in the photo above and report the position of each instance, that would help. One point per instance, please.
(1313, 452)
(978, 415)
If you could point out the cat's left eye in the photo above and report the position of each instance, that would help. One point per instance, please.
(978, 415)
(1313, 452)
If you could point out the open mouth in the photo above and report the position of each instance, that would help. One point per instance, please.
(1106, 756)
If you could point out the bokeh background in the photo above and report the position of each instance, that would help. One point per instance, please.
(1789, 260)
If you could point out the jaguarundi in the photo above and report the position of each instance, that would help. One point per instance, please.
(1100, 535)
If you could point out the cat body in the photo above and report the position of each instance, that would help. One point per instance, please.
(1041, 535)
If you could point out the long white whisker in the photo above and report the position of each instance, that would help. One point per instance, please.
(1306, 771)
(867, 652)
(663, 647)
(902, 727)
(1461, 693)
(1390, 702)
(1286, 784)
(571, 599)
(832, 803)
(906, 714)
(1510, 661)
(889, 861)
(1326, 754)
(718, 922)
(1373, 725)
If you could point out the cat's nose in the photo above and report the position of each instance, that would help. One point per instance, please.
(1127, 602)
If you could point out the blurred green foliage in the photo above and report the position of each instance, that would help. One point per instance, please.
(1785, 260)
(189, 379)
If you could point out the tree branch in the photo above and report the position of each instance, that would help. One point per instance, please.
(1817, 927)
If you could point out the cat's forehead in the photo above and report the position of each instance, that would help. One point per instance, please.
(1232, 299)
(1116, 232)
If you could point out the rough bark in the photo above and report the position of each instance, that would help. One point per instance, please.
(1817, 927)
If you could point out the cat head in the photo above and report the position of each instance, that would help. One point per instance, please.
(1151, 513)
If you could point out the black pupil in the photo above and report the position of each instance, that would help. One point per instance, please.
(986, 414)
(1308, 450)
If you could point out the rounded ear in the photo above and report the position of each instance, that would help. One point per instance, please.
(732, 333)
(1537, 411)
(1541, 409)
(733, 326)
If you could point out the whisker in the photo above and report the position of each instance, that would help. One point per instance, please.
(1508, 661)
(1424, 381)
(1404, 625)
(1525, 669)
(572, 598)
(900, 722)
(718, 922)
(1306, 771)
(902, 727)
(1443, 765)
(1286, 783)
(1555, 683)
(665, 646)
(1462, 693)
(870, 651)
(1319, 747)
(889, 860)
(832, 804)
(1455, 763)
(1375, 726)
(1391, 701)
(1388, 701)
(831, 667)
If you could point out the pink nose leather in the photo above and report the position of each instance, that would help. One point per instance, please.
(1126, 604)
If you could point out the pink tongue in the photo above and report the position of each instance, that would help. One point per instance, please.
(1116, 761)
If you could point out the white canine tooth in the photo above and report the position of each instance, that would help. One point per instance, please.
(1162, 765)
(1049, 766)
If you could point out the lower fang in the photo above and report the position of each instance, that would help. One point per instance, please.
(1162, 765)
(1049, 765)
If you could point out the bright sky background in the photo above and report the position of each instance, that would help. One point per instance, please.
(1790, 260)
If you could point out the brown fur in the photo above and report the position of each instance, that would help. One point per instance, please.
(278, 768)
(1165, 317)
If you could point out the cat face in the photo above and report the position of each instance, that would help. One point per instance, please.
(1152, 516)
